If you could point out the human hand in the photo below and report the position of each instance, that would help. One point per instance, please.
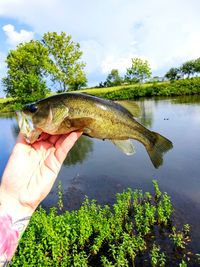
(31, 172)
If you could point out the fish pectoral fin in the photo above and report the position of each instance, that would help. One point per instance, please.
(125, 146)
(56, 117)
(131, 106)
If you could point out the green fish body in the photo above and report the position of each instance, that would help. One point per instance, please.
(95, 117)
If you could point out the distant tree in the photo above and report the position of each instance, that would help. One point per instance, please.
(188, 68)
(102, 85)
(197, 65)
(173, 74)
(138, 72)
(26, 71)
(113, 78)
(66, 67)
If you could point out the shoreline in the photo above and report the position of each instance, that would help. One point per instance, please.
(125, 92)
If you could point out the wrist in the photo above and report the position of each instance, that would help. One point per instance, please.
(14, 219)
(12, 207)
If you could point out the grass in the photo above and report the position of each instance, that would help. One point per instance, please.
(138, 230)
(176, 88)
(98, 91)
(4, 100)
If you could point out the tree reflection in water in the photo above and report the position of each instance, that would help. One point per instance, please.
(146, 117)
(80, 151)
(15, 129)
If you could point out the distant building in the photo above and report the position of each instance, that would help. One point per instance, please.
(157, 79)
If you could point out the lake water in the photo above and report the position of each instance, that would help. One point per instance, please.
(97, 169)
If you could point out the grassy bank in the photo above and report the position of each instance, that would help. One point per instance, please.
(9, 105)
(137, 230)
(176, 88)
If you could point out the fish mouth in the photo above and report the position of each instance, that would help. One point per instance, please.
(25, 124)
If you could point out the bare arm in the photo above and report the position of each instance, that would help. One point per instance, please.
(28, 178)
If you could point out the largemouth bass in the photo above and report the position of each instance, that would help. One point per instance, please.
(95, 117)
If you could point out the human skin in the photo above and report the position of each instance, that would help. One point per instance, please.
(28, 178)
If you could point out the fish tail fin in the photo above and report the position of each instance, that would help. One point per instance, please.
(157, 148)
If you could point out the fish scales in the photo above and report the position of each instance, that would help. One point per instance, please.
(95, 117)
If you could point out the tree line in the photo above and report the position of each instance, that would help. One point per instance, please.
(56, 60)
(187, 69)
(140, 71)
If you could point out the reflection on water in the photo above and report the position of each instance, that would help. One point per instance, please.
(191, 100)
(15, 129)
(79, 152)
(146, 116)
(132, 106)
(97, 169)
(7, 115)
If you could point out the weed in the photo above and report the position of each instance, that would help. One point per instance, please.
(135, 229)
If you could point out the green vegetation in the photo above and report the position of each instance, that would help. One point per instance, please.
(26, 71)
(113, 78)
(65, 67)
(173, 74)
(137, 230)
(175, 88)
(138, 72)
(56, 58)
(188, 68)
(9, 105)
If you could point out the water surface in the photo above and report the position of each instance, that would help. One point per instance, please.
(96, 168)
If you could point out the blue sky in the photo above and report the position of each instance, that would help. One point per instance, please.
(110, 32)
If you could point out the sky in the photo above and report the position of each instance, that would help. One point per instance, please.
(110, 32)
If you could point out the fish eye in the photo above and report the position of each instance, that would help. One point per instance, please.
(31, 108)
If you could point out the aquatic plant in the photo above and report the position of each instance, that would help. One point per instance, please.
(137, 230)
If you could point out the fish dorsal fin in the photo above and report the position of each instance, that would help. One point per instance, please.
(131, 106)
(125, 146)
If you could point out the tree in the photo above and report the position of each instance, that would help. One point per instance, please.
(188, 68)
(139, 71)
(197, 65)
(114, 78)
(26, 70)
(66, 67)
(173, 74)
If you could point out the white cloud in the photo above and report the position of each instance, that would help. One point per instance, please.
(110, 31)
(93, 52)
(14, 37)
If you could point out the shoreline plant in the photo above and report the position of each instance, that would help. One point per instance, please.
(138, 230)
(157, 89)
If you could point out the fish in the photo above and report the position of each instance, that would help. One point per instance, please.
(95, 117)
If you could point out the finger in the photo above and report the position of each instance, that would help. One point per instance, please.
(54, 138)
(64, 144)
(21, 144)
(43, 137)
(21, 139)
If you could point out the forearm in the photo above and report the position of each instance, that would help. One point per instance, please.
(14, 219)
